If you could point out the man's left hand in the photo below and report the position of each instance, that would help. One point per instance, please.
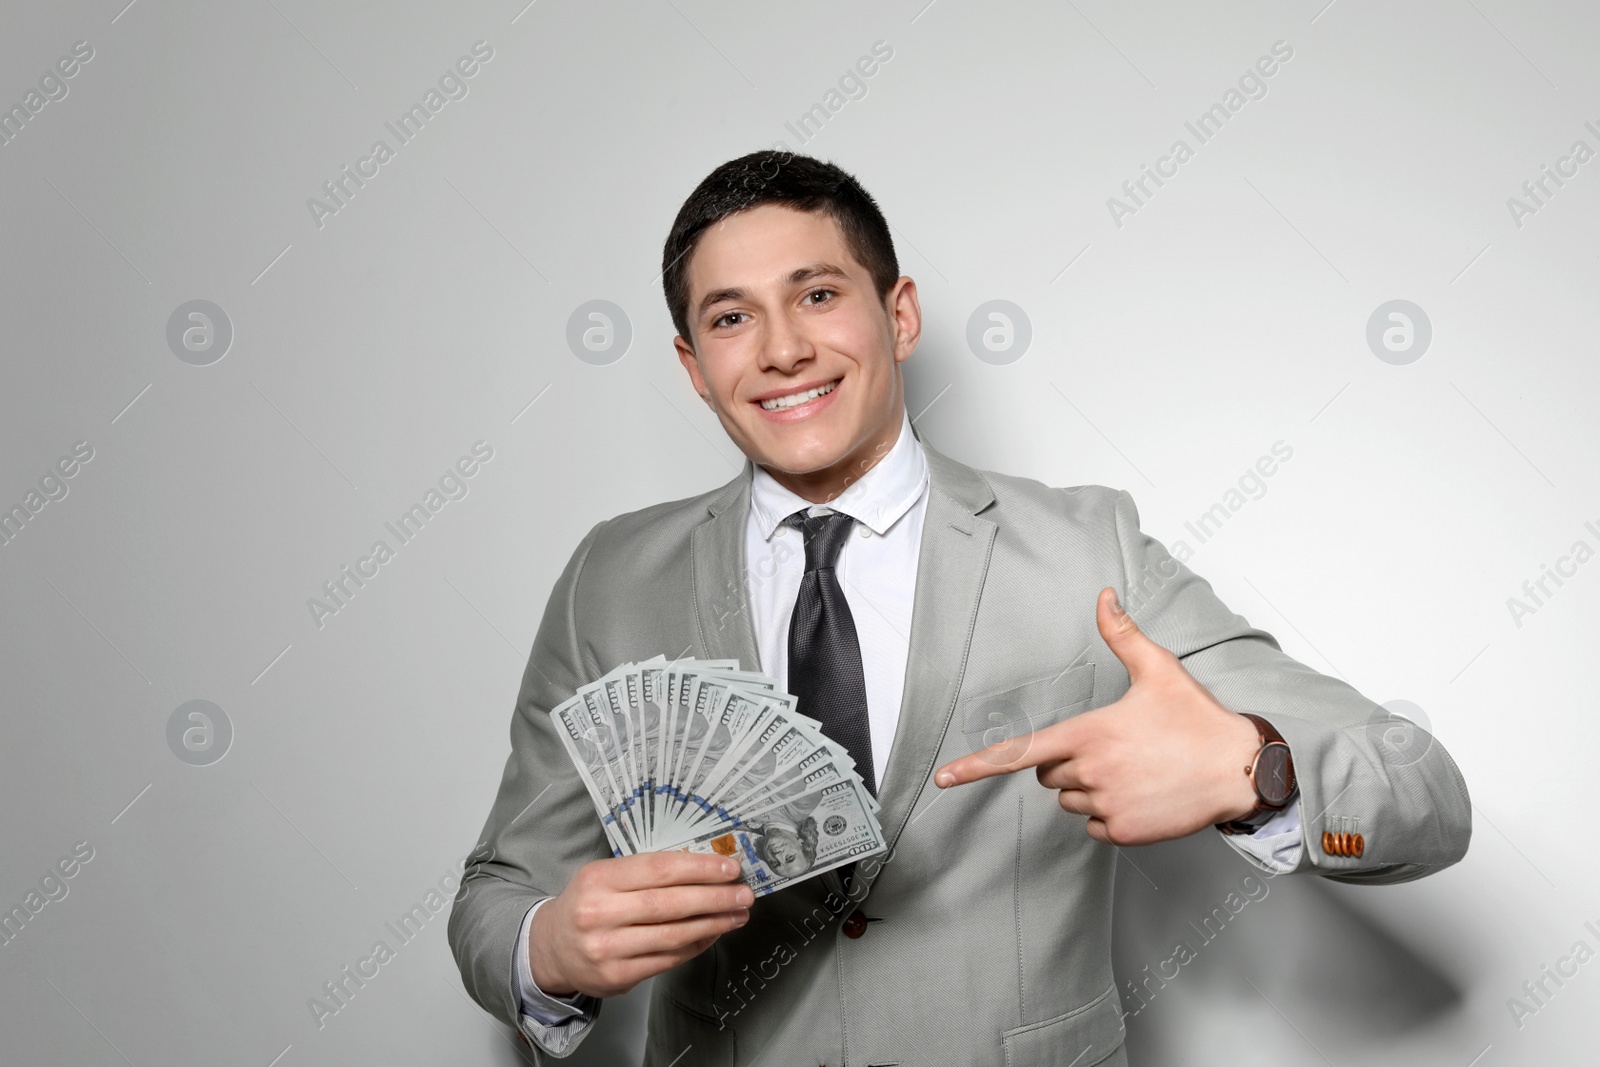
(1164, 761)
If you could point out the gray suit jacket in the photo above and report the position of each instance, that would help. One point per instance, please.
(988, 925)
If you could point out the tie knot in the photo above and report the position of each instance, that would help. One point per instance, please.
(825, 535)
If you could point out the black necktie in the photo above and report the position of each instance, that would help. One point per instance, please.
(824, 653)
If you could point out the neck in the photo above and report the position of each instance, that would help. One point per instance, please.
(821, 486)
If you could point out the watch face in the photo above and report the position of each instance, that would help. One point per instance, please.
(1274, 774)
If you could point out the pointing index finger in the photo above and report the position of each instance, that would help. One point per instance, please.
(1005, 757)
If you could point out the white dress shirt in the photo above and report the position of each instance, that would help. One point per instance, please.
(877, 570)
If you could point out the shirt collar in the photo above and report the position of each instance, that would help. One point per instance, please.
(877, 499)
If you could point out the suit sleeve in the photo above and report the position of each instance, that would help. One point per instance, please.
(541, 827)
(1360, 771)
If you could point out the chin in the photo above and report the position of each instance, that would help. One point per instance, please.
(794, 454)
(803, 459)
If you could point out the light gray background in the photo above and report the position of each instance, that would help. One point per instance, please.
(1167, 354)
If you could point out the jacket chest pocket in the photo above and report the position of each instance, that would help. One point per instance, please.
(999, 715)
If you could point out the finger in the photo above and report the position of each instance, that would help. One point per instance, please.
(630, 972)
(1078, 803)
(1140, 655)
(1052, 743)
(1062, 774)
(631, 941)
(648, 870)
(1097, 830)
(665, 904)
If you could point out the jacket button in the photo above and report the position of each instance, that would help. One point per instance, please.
(855, 926)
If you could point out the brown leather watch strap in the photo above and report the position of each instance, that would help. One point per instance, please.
(1262, 811)
(1264, 729)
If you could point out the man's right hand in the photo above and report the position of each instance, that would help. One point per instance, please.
(625, 919)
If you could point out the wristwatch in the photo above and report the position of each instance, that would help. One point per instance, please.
(1271, 772)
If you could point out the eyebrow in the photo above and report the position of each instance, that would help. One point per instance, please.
(799, 275)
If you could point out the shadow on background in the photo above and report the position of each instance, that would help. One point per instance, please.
(1216, 964)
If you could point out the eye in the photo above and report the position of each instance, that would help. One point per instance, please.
(819, 292)
(722, 320)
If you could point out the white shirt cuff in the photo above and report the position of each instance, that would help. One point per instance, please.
(550, 1019)
(1276, 843)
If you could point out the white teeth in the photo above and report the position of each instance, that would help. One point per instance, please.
(798, 398)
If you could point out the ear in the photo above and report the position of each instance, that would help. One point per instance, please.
(905, 315)
(691, 363)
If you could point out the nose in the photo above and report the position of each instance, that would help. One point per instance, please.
(785, 347)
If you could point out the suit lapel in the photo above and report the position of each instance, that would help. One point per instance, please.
(722, 611)
(954, 560)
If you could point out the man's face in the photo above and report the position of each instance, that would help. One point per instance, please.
(780, 310)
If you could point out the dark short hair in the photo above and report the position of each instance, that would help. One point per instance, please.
(777, 177)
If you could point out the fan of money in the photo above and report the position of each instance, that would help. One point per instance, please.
(699, 756)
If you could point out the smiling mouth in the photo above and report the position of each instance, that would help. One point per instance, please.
(783, 403)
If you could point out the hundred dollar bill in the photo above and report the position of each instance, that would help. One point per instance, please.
(587, 746)
(788, 843)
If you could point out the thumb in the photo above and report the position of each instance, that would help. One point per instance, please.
(1142, 656)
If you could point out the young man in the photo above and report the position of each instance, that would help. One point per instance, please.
(973, 627)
